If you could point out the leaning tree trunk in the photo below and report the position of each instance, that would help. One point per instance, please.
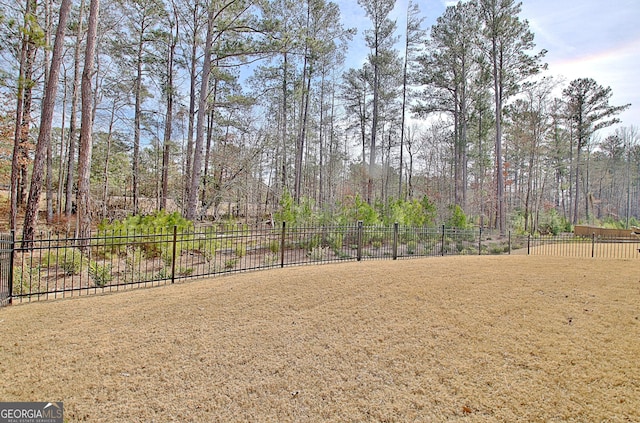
(44, 136)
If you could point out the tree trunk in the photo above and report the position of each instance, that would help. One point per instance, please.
(15, 158)
(49, 166)
(193, 59)
(192, 199)
(137, 124)
(105, 191)
(497, 81)
(44, 136)
(169, 113)
(25, 143)
(73, 119)
(84, 158)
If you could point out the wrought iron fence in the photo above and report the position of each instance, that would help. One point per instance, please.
(62, 266)
(568, 245)
(6, 266)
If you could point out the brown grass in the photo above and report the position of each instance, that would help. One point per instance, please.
(473, 339)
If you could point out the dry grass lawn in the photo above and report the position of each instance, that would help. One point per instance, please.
(470, 339)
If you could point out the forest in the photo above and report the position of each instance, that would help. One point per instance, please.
(240, 109)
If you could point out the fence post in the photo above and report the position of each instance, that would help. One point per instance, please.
(284, 224)
(173, 254)
(509, 242)
(528, 244)
(360, 229)
(442, 242)
(480, 241)
(395, 241)
(593, 243)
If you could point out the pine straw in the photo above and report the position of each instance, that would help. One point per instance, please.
(473, 339)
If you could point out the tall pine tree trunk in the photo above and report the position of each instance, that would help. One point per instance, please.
(17, 148)
(169, 112)
(84, 157)
(194, 183)
(44, 136)
(73, 119)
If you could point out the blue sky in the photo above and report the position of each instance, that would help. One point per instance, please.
(584, 39)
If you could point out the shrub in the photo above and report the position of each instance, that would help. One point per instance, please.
(101, 274)
(241, 250)
(335, 240)
(26, 279)
(68, 259)
(551, 223)
(163, 274)
(207, 247)
(274, 246)
(186, 271)
(295, 213)
(134, 257)
(495, 250)
(412, 213)
(310, 242)
(457, 218)
(355, 209)
(319, 253)
(155, 223)
(271, 259)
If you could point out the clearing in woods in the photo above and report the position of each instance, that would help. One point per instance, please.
(473, 339)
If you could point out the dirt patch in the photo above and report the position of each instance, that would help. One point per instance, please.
(469, 339)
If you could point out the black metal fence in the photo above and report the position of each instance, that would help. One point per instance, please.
(6, 267)
(568, 245)
(58, 267)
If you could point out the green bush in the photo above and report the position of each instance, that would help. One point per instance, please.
(26, 279)
(552, 223)
(271, 259)
(68, 259)
(240, 250)
(457, 218)
(354, 209)
(496, 249)
(156, 223)
(100, 273)
(319, 253)
(296, 214)
(274, 246)
(151, 233)
(412, 213)
(134, 257)
(207, 247)
(310, 242)
(336, 240)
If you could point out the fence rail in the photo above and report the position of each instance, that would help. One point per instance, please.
(59, 267)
